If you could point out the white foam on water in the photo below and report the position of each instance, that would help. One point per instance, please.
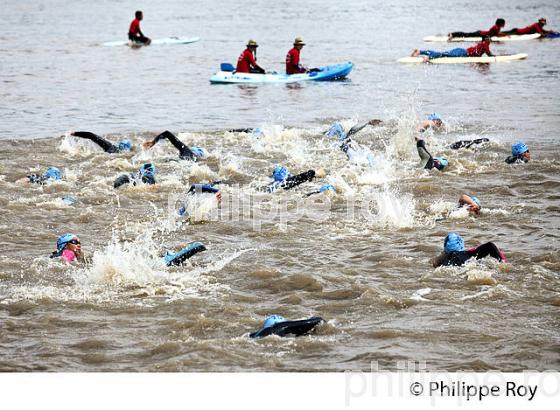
(394, 209)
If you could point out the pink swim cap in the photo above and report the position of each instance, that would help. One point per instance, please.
(68, 255)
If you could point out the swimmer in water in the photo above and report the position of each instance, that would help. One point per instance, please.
(279, 326)
(107, 146)
(178, 258)
(471, 202)
(427, 161)
(68, 248)
(282, 179)
(519, 154)
(146, 175)
(352, 150)
(185, 152)
(454, 253)
(50, 175)
(467, 143)
(202, 189)
(324, 188)
(434, 122)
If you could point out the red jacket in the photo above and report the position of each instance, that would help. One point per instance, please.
(292, 62)
(479, 49)
(134, 27)
(493, 31)
(245, 61)
(533, 28)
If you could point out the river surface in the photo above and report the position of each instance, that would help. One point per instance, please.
(359, 258)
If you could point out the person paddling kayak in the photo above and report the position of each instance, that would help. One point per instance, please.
(493, 31)
(247, 61)
(476, 51)
(134, 33)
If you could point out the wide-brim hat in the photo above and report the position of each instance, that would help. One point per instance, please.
(299, 41)
(252, 43)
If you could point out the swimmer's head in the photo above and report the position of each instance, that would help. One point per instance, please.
(280, 173)
(542, 21)
(327, 187)
(519, 148)
(441, 163)
(68, 240)
(148, 173)
(199, 152)
(52, 173)
(436, 118)
(500, 22)
(257, 132)
(475, 200)
(272, 320)
(125, 145)
(453, 243)
(336, 130)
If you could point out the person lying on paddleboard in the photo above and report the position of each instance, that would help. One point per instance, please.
(134, 33)
(146, 175)
(427, 161)
(454, 253)
(471, 202)
(531, 29)
(493, 31)
(69, 248)
(185, 152)
(352, 150)
(282, 179)
(107, 146)
(292, 59)
(279, 326)
(476, 51)
(247, 61)
(50, 175)
(519, 154)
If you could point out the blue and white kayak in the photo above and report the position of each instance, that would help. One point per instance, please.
(327, 73)
(158, 41)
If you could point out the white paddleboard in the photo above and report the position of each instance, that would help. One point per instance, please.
(464, 60)
(159, 41)
(514, 37)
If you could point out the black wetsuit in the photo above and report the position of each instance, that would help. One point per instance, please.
(293, 327)
(467, 143)
(466, 34)
(184, 151)
(426, 156)
(102, 142)
(460, 257)
(292, 181)
(37, 179)
(134, 179)
(516, 159)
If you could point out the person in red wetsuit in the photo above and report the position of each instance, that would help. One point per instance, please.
(476, 51)
(247, 61)
(532, 29)
(292, 58)
(493, 31)
(134, 33)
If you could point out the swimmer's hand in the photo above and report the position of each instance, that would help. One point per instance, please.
(505, 267)
(321, 173)
(148, 144)
(374, 122)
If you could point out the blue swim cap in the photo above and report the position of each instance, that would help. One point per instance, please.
(148, 173)
(475, 200)
(63, 240)
(434, 117)
(442, 161)
(125, 145)
(280, 173)
(327, 187)
(52, 173)
(272, 320)
(336, 130)
(199, 152)
(519, 148)
(68, 200)
(453, 243)
(257, 132)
